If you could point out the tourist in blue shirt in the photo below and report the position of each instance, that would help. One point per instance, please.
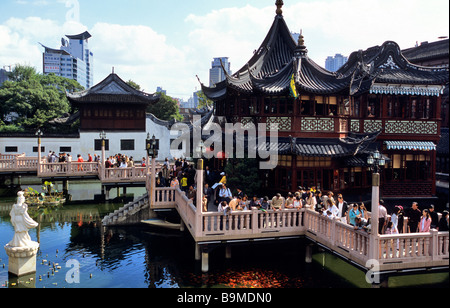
(354, 212)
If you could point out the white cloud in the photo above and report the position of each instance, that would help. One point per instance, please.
(140, 53)
(344, 26)
(137, 53)
(230, 32)
(21, 37)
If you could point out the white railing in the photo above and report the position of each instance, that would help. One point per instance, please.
(402, 248)
(414, 246)
(133, 174)
(67, 169)
(250, 222)
(164, 197)
(186, 209)
(18, 163)
(337, 234)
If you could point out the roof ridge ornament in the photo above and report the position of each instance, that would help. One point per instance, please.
(279, 4)
(301, 39)
(301, 50)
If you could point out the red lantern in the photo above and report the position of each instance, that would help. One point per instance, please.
(222, 155)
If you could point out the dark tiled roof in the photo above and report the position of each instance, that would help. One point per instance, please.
(354, 144)
(279, 58)
(112, 90)
(427, 51)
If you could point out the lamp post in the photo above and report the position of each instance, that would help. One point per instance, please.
(376, 162)
(152, 152)
(103, 138)
(200, 150)
(103, 159)
(39, 134)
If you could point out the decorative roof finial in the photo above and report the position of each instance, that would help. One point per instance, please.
(301, 39)
(301, 50)
(279, 5)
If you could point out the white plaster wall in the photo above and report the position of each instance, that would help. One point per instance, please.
(86, 143)
(25, 145)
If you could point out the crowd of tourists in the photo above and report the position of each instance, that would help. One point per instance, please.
(113, 161)
(335, 207)
(182, 174)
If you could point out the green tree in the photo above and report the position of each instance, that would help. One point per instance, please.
(35, 98)
(244, 174)
(203, 101)
(22, 73)
(166, 109)
(134, 85)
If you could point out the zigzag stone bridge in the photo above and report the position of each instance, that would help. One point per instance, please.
(380, 255)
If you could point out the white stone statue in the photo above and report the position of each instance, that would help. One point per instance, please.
(21, 250)
(22, 222)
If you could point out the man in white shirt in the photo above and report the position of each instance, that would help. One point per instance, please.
(343, 208)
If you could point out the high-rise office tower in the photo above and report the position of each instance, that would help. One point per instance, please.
(74, 59)
(216, 73)
(335, 63)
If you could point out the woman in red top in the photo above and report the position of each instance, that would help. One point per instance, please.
(80, 160)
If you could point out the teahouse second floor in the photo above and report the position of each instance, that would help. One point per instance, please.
(378, 89)
(336, 115)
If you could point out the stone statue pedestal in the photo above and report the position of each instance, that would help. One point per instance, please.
(22, 260)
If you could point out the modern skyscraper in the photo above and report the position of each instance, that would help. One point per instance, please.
(216, 73)
(74, 59)
(3, 76)
(334, 63)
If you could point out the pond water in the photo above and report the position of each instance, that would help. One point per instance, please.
(71, 237)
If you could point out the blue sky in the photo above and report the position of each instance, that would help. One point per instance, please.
(167, 43)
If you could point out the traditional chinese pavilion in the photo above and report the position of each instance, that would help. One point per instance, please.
(378, 100)
(112, 105)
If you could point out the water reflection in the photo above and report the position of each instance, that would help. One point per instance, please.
(141, 257)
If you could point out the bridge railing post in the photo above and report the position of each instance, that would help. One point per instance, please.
(333, 232)
(199, 197)
(434, 245)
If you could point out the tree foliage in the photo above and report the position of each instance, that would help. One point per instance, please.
(134, 85)
(166, 109)
(203, 101)
(36, 98)
(244, 174)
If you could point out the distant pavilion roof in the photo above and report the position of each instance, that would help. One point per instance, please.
(279, 58)
(112, 90)
(427, 51)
